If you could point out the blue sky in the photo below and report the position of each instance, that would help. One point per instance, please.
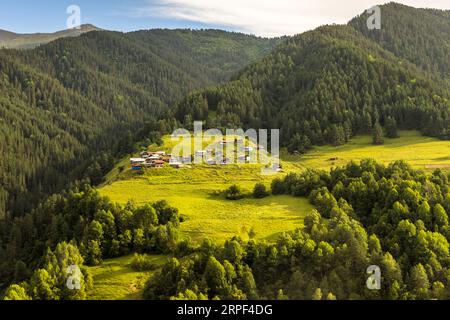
(29, 16)
(261, 17)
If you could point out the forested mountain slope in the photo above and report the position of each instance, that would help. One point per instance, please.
(324, 86)
(218, 52)
(68, 107)
(28, 41)
(421, 36)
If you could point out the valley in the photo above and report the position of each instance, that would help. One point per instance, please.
(90, 181)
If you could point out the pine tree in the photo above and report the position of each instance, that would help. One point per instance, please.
(391, 128)
(16, 292)
(215, 276)
(337, 135)
(317, 294)
(378, 134)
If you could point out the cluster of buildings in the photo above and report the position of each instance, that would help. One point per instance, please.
(153, 160)
(213, 156)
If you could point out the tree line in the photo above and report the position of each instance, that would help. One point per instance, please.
(367, 213)
(78, 227)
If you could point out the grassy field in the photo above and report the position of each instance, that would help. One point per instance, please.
(193, 189)
(193, 192)
(114, 279)
(421, 152)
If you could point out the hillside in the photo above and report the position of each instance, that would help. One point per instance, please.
(28, 41)
(220, 53)
(70, 106)
(193, 190)
(420, 36)
(208, 215)
(324, 86)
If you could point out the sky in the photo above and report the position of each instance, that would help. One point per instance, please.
(260, 17)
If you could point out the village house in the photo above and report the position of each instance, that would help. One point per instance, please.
(210, 156)
(145, 154)
(150, 160)
(154, 157)
(148, 164)
(137, 161)
(158, 164)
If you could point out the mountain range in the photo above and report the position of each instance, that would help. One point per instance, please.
(328, 84)
(70, 107)
(28, 41)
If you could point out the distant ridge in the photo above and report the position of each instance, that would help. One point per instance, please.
(28, 41)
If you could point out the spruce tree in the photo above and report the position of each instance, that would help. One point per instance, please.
(391, 128)
(378, 134)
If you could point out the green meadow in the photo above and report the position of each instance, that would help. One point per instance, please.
(114, 279)
(194, 189)
(421, 152)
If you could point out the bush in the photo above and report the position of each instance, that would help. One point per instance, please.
(142, 262)
(234, 193)
(278, 187)
(184, 248)
(260, 191)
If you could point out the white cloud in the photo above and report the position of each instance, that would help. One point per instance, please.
(269, 17)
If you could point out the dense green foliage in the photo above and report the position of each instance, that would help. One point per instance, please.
(234, 192)
(368, 214)
(96, 227)
(260, 191)
(216, 55)
(69, 107)
(421, 36)
(142, 262)
(50, 281)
